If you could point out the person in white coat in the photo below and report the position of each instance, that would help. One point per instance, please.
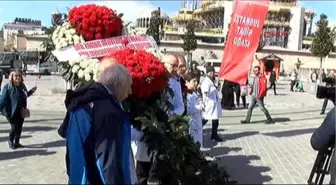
(212, 107)
(194, 108)
(146, 171)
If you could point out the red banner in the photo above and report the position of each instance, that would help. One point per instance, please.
(246, 26)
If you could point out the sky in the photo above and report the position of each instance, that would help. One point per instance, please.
(41, 10)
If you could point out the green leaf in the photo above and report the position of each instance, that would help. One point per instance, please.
(120, 15)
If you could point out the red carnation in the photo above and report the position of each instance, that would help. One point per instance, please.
(142, 66)
(95, 22)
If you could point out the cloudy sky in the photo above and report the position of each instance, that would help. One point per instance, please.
(41, 10)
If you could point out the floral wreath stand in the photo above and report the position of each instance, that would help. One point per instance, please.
(92, 32)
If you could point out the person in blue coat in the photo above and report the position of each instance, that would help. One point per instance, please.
(13, 105)
(98, 131)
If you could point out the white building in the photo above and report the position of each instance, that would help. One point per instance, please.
(284, 25)
(288, 24)
(143, 20)
(21, 26)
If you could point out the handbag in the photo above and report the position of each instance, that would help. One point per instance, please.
(25, 113)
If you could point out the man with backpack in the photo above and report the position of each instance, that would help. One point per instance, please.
(98, 130)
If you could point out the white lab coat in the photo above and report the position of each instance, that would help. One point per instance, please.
(212, 106)
(194, 109)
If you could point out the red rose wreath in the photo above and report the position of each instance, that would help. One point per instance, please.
(148, 72)
(95, 22)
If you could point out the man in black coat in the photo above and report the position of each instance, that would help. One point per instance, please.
(272, 80)
(228, 95)
(330, 82)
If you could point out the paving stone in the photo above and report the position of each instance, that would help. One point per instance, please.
(252, 153)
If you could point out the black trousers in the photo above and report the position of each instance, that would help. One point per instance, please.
(142, 170)
(148, 172)
(274, 87)
(237, 93)
(227, 95)
(244, 101)
(16, 123)
(292, 85)
(214, 129)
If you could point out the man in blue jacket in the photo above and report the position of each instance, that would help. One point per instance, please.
(98, 131)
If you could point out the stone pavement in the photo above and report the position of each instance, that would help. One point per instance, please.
(257, 153)
(251, 153)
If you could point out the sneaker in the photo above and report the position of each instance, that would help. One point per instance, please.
(216, 138)
(269, 121)
(18, 145)
(244, 121)
(11, 145)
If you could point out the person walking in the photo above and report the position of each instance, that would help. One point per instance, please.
(13, 105)
(258, 92)
(212, 105)
(293, 78)
(98, 130)
(313, 76)
(272, 80)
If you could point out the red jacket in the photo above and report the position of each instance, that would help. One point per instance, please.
(262, 86)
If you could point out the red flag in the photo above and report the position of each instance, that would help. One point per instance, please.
(246, 26)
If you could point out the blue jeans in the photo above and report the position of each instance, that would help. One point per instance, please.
(254, 101)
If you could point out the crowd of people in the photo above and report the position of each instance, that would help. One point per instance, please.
(102, 146)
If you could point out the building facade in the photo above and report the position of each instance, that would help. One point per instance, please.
(20, 26)
(288, 24)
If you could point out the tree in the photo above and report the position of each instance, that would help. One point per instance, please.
(323, 40)
(57, 20)
(189, 40)
(155, 25)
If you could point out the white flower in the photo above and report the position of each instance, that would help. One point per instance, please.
(87, 77)
(65, 35)
(94, 77)
(75, 69)
(73, 62)
(83, 64)
(80, 73)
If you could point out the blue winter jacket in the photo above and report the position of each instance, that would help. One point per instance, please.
(98, 136)
(10, 96)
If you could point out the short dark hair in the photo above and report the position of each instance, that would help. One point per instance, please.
(189, 76)
(257, 67)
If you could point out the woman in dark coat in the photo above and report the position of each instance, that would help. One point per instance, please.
(13, 105)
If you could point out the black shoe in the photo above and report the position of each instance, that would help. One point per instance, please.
(321, 113)
(244, 121)
(216, 138)
(269, 121)
(11, 145)
(18, 145)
